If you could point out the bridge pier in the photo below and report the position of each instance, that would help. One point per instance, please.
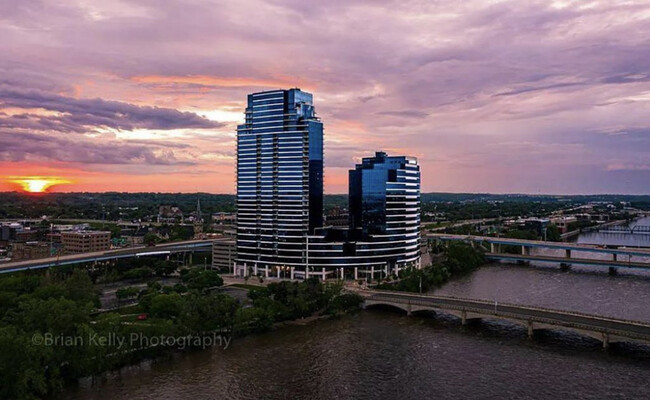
(463, 318)
(530, 329)
(605, 341)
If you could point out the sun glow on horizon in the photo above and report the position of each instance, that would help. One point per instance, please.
(37, 184)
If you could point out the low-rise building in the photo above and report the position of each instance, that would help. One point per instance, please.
(85, 241)
(563, 222)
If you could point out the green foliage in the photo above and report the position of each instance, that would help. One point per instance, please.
(199, 279)
(460, 259)
(80, 288)
(139, 273)
(553, 233)
(127, 292)
(62, 306)
(344, 303)
(167, 306)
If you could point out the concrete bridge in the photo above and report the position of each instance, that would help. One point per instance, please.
(161, 249)
(607, 330)
(619, 257)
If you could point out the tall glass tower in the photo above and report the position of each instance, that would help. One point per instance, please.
(279, 179)
(384, 198)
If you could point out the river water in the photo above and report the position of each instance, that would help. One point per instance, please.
(619, 239)
(381, 354)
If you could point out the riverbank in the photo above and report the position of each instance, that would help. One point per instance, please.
(380, 355)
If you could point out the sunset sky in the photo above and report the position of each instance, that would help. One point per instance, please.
(491, 96)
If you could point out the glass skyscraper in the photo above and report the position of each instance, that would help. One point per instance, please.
(279, 179)
(280, 200)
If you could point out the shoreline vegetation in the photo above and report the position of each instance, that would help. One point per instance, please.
(61, 307)
(456, 260)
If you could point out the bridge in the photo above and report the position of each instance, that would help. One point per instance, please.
(160, 249)
(626, 229)
(606, 329)
(619, 257)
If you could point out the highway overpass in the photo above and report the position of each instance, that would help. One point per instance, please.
(637, 252)
(160, 249)
(602, 328)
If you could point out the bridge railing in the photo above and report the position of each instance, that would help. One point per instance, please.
(416, 296)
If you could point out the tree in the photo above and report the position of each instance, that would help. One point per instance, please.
(80, 288)
(202, 279)
(167, 306)
(553, 233)
(127, 293)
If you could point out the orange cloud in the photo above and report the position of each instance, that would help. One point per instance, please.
(221, 81)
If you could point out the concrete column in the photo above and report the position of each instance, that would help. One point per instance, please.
(266, 271)
(492, 248)
(356, 273)
(408, 310)
(306, 272)
(323, 271)
(530, 329)
(372, 272)
(255, 269)
(396, 271)
(342, 273)
(463, 318)
(605, 341)
(292, 269)
(245, 270)
(523, 250)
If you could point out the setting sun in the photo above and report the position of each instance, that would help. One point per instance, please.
(37, 184)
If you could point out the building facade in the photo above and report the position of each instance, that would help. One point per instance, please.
(279, 179)
(224, 253)
(384, 233)
(279, 219)
(85, 241)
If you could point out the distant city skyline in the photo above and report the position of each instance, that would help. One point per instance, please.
(491, 96)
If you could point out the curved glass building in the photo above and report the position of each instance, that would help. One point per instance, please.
(280, 199)
(279, 178)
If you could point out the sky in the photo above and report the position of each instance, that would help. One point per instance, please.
(491, 96)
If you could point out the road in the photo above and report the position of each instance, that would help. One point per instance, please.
(165, 248)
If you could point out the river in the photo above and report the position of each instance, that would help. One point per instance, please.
(380, 354)
(619, 239)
